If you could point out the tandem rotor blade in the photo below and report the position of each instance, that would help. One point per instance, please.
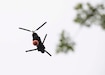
(25, 29)
(48, 53)
(41, 26)
(44, 38)
(31, 50)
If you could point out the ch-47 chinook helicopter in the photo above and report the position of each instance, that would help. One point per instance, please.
(37, 41)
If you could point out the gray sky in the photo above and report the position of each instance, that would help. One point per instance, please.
(88, 58)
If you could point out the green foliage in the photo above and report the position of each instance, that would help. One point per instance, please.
(87, 15)
(65, 43)
(102, 21)
(79, 6)
(90, 15)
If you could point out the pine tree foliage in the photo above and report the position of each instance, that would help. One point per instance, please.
(65, 43)
(88, 15)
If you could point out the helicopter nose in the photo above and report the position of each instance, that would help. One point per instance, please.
(35, 42)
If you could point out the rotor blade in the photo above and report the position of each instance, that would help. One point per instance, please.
(31, 50)
(41, 25)
(48, 53)
(25, 29)
(44, 38)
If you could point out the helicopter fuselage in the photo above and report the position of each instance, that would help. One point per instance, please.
(40, 45)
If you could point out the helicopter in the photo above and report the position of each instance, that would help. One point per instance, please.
(37, 40)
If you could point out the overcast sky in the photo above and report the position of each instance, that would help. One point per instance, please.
(89, 55)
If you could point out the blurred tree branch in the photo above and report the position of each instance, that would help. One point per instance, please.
(91, 15)
(65, 43)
